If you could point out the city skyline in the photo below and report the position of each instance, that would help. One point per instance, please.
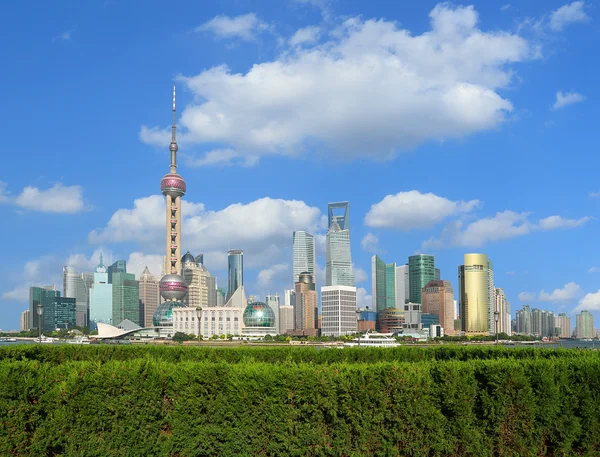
(65, 212)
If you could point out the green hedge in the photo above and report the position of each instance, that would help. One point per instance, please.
(152, 407)
(276, 354)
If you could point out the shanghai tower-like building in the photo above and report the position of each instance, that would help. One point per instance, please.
(338, 268)
(172, 286)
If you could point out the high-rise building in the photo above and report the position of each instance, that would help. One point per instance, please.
(383, 284)
(338, 267)
(304, 253)
(125, 298)
(235, 271)
(436, 274)
(75, 287)
(476, 294)
(272, 301)
(421, 270)
(584, 326)
(38, 296)
(286, 312)
(149, 297)
(100, 297)
(172, 286)
(60, 313)
(563, 323)
(120, 266)
(338, 305)
(306, 304)
(402, 286)
(523, 321)
(503, 308)
(221, 294)
(438, 299)
(542, 322)
(201, 284)
(25, 321)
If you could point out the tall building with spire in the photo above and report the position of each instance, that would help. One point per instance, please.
(235, 274)
(172, 286)
(304, 253)
(101, 296)
(149, 297)
(338, 267)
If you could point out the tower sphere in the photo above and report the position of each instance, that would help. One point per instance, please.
(173, 185)
(259, 314)
(172, 287)
(163, 314)
(173, 147)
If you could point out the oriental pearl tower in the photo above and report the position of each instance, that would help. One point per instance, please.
(172, 286)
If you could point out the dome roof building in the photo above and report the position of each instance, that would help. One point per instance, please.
(163, 315)
(259, 314)
(188, 258)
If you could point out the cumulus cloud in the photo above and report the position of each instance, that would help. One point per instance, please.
(360, 275)
(274, 276)
(370, 243)
(505, 7)
(569, 292)
(568, 14)
(593, 270)
(220, 157)
(373, 89)
(567, 98)
(411, 210)
(592, 194)
(306, 35)
(44, 271)
(504, 225)
(63, 36)
(265, 240)
(526, 296)
(363, 299)
(57, 199)
(590, 302)
(245, 26)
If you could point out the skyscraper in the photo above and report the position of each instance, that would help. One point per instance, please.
(338, 268)
(286, 313)
(421, 270)
(120, 266)
(503, 309)
(563, 323)
(584, 327)
(272, 301)
(475, 283)
(172, 286)
(100, 297)
(338, 304)
(149, 297)
(523, 321)
(25, 321)
(60, 313)
(383, 283)
(402, 286)
(202, 291)
(304, 253)
(235, 271)
(306, 303)
(37, 296)
(438, 299)
(75, 287)
(125, 298)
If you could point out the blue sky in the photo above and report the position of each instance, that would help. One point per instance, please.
(450, 128)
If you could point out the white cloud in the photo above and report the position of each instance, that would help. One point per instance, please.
(220, 157)
(373, 90)
(138, 261)
(306, 35)
(245, 26)
(567, 98)
(570, 291)
(511, 273)
(370, 243)
(502, 226)
(57, 199)
(590, 302)
(593, 270)
(592, 194)
(265, 240)
(363, 299)
(360, 275)
(526, 296)
(274, 275)
(568, 14)
(411, 210)
(64, 36)
(505, 7)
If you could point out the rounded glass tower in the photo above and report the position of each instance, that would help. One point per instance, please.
(163, 314)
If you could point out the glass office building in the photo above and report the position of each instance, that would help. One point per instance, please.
(338, 268)
(60, 313)
(383, 283)
(421, 270)
(235, 275)
(125, 299)
(303, 253)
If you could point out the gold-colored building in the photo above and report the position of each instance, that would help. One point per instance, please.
(475, 293)
(306, 305)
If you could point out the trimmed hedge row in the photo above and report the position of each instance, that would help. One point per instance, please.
(276, 354)
(146, 407)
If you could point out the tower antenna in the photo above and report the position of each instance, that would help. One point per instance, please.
(173, 146)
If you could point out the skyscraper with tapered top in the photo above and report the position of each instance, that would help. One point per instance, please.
(172, 286)
(338, 267)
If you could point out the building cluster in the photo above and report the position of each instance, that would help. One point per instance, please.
(409, 299)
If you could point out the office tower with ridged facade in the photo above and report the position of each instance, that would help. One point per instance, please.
(172, 286)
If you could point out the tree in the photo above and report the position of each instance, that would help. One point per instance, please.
(268, 337)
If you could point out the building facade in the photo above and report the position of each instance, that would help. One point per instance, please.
(75, 287)
(476, 294)
(542, 323)
(338, 262)
(421, 270)
(584, 325)
(38, 296)
(125, 298)
(402, 286)
(303, 253)
(235, 271)
(100, 298)
(503, 308)
(202, 290)
(563, 325)
(523, 321)
(383, 283)
(438, 299)
(25, 321)
(306, 305)
(338, 305)
(149, 297)
(120, 266)
(391, 320)
(286, 312)
(60, 313)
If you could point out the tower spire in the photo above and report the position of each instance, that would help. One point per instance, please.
(173, 146)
